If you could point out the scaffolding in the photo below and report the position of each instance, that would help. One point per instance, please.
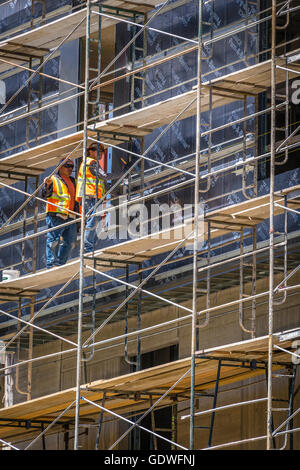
(130, 398)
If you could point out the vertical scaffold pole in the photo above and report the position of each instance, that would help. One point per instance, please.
(81, 272)
(30, 352)
(271, 259)
(196, 216)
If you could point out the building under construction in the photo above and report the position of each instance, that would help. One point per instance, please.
(181, 329)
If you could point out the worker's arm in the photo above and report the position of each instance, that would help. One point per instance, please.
(47, 188)
(102, 174)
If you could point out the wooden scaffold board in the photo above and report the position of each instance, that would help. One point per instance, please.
(252, 80)
(229, 219)
(40, 41)
(121, 392)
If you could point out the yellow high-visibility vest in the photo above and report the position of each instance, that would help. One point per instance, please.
(91, 182)
(60, 196)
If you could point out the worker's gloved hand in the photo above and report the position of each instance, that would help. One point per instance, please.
(47, 182)
(126, 165)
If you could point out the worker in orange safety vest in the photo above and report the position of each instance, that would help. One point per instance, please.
(60, 192)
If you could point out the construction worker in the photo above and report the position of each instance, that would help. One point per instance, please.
(60, 189)
(95, 176)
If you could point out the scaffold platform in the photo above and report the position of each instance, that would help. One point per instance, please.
(131, 392)
(232, 87)
(38, 42)
(229, 219)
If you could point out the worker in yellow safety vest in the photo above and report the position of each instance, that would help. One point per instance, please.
(60, 192)
(95, 178)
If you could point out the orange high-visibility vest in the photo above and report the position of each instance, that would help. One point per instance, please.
(90, 182)
(60, 196)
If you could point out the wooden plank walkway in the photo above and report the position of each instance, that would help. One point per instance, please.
(39, 41)
(250, 81)
(229, 219)
(121, 390)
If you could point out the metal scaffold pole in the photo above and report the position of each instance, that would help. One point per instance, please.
(81, 270)
(196, 228)
(271, 256)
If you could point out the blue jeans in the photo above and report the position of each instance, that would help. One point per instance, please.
(91, 225)
(57, 253)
